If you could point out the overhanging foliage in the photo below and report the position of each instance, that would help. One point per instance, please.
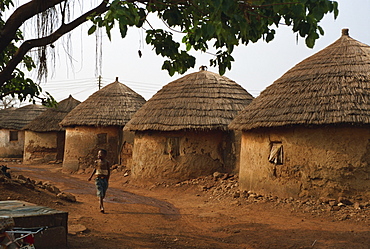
(222, 24)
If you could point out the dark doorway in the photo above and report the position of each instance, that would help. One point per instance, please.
(61, 136)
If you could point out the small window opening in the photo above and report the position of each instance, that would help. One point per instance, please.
(276, 153)
(172, 147)
(102, 138)
(13, 136)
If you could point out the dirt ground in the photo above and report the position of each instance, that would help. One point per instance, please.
(208, 212)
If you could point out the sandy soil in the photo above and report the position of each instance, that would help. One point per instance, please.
(184, 216)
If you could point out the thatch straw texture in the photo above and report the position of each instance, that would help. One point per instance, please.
(197, 101)
(18, 118)
(330, 87)
(113, 105)
(50, 119)
(4, 113)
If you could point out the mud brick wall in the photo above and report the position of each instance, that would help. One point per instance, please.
(40, 147)
(83, 142)
(182, 155)
(321, 162)
(11, 149)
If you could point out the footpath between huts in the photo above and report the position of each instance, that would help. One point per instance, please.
(207, 212)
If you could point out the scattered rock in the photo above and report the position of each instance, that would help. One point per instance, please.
(335, 208)
(67, 197)
(345, 201)
(21, 177)
(38, 182)
(58, 203)
(357, 205)
(237, 203)
(75, 229)
(333, 203)
(217, 187)
(217, 175)
(343, 217)
(52, 189)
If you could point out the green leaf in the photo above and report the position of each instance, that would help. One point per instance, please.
(122, 28)
(91, 30)
(336, 11)
(188, 46)
(320, 30)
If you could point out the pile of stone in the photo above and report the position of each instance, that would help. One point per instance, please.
(221, 187)
(20, 180)
(120, 169)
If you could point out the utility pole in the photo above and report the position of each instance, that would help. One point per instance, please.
(99, 81)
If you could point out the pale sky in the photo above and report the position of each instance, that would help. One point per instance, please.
(256, 66)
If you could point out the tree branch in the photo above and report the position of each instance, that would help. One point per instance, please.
(6, 73)
(20, 15)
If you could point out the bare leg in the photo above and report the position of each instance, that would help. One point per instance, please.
(101, 204)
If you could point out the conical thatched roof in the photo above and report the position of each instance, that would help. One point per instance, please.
(200, 101)
(330, 87)
(113, 105)
(4, 113)
(50, 119)
(18, 118)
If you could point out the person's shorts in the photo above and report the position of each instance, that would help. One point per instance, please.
(101, 186)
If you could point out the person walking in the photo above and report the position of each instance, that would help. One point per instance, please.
(102, 173)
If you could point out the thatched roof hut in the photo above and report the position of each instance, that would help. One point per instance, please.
(308, 133)
(113, 105)
(198, 101)
(330, 87)
(97, 123)
(11, 124)
(182, 130)
(50, 119)
(20, 117)
(44, 137)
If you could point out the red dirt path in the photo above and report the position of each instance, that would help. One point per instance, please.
(183, 216)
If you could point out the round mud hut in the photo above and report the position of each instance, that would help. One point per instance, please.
(308, 133)
(97, 123)
(181, 132)
(44, 137)
(11, 133)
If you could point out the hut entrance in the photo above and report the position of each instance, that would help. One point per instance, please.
(61, 136)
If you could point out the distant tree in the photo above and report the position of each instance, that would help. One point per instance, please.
(222, 24)
(9, 101)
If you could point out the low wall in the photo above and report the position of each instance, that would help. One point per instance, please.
(328, 162)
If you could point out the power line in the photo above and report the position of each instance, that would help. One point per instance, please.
(77, 86)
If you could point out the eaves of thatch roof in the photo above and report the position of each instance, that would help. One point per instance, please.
(50, 119)
(4, 113)
(330, 87)
(18, 118)
(113, 105)
(197, 101)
